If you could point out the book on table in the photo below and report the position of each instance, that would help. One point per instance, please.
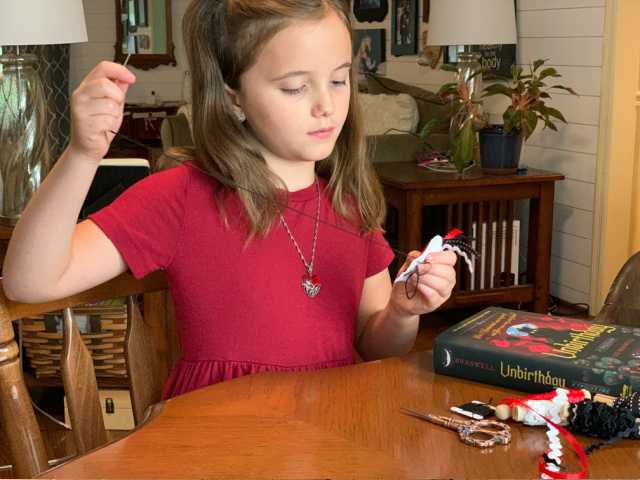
(537, 353)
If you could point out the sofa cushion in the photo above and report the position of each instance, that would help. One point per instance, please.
(430, 105)
(175, 132)
(388, 114)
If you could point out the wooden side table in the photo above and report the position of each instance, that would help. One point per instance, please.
(470, 201)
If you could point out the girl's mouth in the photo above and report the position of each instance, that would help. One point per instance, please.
(322, 133)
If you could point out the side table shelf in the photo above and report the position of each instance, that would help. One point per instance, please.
(473, 200)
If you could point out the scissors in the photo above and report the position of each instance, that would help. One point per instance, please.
(481, 433)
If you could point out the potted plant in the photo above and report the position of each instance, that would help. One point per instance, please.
(466, 115)
(500, 145)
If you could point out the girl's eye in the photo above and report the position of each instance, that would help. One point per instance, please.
(292, 91)
(336, 83)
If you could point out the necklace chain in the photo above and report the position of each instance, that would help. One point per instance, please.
(309, 266)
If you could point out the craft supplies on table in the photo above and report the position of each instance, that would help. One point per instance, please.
(478, 433)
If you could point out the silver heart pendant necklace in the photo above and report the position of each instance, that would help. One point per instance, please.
(310, 282)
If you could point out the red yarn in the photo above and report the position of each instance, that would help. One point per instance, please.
(573, 396)
(452, 234)
(542, 465)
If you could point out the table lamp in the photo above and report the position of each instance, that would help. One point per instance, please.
(24, 149)
(471, 22)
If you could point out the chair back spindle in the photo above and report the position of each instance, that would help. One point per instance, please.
(19, 424)
(81, 388)
(145, 386)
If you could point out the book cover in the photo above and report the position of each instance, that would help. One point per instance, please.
(536, 353)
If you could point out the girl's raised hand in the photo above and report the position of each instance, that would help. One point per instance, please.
(435, 281)
(97, 107)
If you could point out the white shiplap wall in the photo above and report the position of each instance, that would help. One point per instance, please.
(101, 19)
(570, 34)
(567, 32)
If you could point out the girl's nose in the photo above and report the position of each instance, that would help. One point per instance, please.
(324, 104)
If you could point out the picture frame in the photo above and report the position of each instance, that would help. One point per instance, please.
(425, 10)
(497, 58)
(370, 10)
(403, 27)
(369, 50)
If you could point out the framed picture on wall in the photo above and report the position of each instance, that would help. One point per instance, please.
(403, 27)
(497, 58)
(370, 10)
(425, 11)
(368, 50)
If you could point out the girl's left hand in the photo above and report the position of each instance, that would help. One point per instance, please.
(434, 284)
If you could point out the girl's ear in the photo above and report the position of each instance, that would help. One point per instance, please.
(235, 100)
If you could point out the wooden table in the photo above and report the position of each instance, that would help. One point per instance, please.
(343, 422)
(475, 199)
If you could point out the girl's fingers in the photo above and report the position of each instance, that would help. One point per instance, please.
(113, 72)
(437, 277)
(410, 258)
(102, 106)
(99, 89)
(446, 257)
(432, 284)
(102, 123)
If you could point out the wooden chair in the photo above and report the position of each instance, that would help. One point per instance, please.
(17, 418)
(622, 305)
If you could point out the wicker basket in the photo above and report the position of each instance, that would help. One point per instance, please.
(105, 340)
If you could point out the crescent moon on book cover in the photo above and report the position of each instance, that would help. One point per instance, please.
(446, 360)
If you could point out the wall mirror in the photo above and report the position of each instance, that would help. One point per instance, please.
(144, 30)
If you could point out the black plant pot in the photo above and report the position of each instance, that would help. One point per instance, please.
(499, 151)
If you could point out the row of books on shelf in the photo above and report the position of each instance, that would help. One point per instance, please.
(536, 353)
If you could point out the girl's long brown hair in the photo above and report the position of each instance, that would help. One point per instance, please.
(223, 39)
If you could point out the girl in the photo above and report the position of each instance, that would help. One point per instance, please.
(278, 262)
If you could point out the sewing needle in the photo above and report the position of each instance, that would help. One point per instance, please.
(126, 60)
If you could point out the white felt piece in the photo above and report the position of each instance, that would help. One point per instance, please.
(435, 245)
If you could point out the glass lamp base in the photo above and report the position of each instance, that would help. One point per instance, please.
(24, 147)
(9, 221)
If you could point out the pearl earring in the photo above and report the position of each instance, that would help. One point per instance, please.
(241, 117)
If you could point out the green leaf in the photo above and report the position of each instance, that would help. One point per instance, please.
(449, 68)
(463, 146)
(551, 125)
(537, 64)
(555, 113)
(511, 118)
(549, 72)
(447, 86)
(532, 119)
(570, 90)
(430, 126)
(538, 106)
(497, 89)
(456, 106)
(518, 73)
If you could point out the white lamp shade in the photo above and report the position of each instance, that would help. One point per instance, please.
(472, 22)
(42, 22)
